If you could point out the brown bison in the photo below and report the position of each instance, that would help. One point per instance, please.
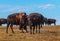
(3, 21)
(34, 19)
(50, 21)
(17, 19)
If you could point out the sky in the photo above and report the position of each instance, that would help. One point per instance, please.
(48, 8)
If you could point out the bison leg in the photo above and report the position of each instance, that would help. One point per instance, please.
(33, 29)
(39, 28)
(30, 29)
(36, 28)
(25, 27)
(7, 28)
(22, 30)
(41, 25)
(54, 23)
(11, 26)
(0, 24)
(21, 26)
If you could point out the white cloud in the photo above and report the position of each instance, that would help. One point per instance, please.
(12, 8)
(47, 6)
(15, 9)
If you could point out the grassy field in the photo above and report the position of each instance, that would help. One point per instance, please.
(48, 33)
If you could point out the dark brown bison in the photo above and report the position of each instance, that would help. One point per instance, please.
(34, 19)
(51, 21)
(17, 19)
(48, 21)
(3, 21)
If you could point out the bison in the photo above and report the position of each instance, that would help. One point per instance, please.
(50, 21)
(47, 21)
(3, 21)
(17, 19)
(34, 19)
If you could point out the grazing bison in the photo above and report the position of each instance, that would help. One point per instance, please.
(3, 21)
(50, 21)
(34, 19)
(17, 19)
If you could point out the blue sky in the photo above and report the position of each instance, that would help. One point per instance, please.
(48, 8)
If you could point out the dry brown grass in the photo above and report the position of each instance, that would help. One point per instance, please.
(48, 33)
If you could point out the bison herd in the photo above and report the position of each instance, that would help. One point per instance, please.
(33, 20)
